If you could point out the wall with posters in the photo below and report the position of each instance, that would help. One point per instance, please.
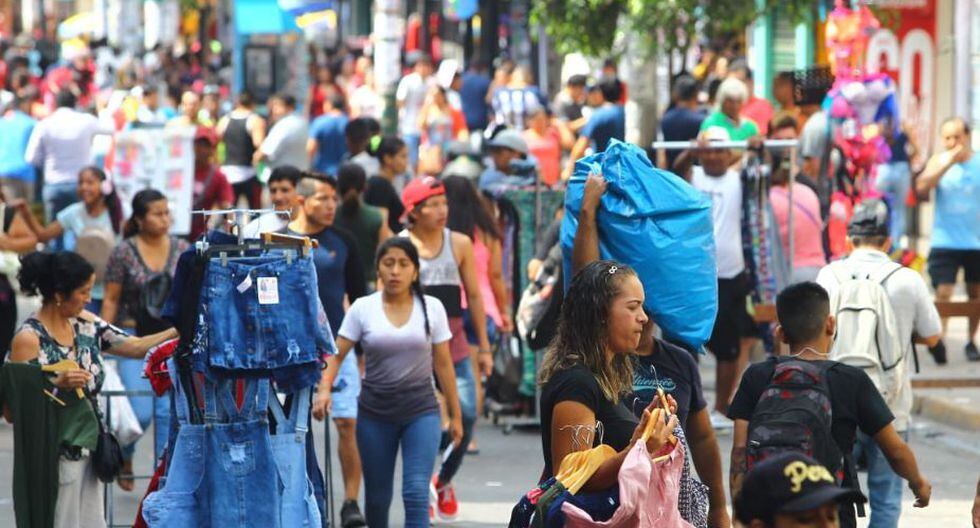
(908, 52)
(162, 159)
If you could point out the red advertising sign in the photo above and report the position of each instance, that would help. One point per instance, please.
(905, 49)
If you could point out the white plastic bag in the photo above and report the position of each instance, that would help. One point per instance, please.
(122, 420)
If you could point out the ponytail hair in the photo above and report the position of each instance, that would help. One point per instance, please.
(109, 197)
(141, 206)
(385, 146)
(351, 180)
(410, 250)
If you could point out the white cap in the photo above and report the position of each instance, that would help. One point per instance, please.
(716, 133)
(447, 70)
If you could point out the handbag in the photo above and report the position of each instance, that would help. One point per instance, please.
(125, 426)
(107, 460)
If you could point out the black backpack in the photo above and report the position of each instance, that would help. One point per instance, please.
(794, 414)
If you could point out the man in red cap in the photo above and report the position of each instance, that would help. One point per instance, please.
(211, 187)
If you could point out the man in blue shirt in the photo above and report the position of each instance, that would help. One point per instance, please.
(682, 122)
(606, 122)
(955, 174)
(16, 174)
(328, 145)
(473, 94)
(339, 274)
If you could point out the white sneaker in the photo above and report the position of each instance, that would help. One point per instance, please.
(720, 422)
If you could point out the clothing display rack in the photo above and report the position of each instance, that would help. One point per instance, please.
(792, 144)
(251, 319)
(242, 217)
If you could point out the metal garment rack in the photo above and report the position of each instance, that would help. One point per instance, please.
(242, 217)
(792, 144)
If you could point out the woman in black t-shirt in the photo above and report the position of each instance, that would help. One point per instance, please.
(392, 156)
(587, 370)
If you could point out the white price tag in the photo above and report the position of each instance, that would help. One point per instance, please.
(268, 290)
(245, 284)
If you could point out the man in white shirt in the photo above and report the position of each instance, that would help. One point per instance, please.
(286, 142)
(916, 318)
(734, 331)
(410, 96)
(282, 192)
(62, 145)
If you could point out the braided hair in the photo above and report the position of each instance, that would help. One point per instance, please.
(408, 247)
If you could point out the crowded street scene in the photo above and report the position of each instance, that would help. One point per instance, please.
(523, 263)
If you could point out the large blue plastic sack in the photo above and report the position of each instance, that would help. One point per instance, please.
(658, 224)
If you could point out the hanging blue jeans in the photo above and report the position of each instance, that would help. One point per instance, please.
(379, 440)
(298, 508)
(466, 388)
(241, 476)
(182, 500)
(262, 313)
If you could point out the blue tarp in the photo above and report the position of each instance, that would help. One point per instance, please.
(659, 225)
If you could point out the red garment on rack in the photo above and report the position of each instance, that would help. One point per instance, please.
(156, 366)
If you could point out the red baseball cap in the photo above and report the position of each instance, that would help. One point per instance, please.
(205, 133)
(420, 190)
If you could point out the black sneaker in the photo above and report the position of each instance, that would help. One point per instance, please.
(972, 353)
(939, 353)
(350, 515)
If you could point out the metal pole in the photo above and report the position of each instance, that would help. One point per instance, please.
(792, 210)
(328, 474)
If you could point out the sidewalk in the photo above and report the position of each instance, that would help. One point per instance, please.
(958, 407)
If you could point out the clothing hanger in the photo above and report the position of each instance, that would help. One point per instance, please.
(578, 467)
(64, 365)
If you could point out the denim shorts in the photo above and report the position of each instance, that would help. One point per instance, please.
(262, 313)
(346, 389)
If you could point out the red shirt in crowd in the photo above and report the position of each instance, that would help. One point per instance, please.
(211, 189)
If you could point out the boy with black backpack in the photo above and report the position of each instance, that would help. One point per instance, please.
(805, 402)
(880, 307)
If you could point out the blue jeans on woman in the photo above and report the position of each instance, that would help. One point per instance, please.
(419, 441)
(466, 388)
(884, 485)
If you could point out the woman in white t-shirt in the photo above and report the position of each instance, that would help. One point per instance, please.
(404, 336)
(95, 220)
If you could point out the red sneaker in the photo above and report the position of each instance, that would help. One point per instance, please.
(447, 507)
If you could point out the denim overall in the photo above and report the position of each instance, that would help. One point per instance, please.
(182, 499)
(242, 478)
(298, 508)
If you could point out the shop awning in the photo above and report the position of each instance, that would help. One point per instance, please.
(262, 17)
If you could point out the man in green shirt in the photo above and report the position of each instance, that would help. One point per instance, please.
(729, 101)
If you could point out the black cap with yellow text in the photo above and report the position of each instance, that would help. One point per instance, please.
(787, 483)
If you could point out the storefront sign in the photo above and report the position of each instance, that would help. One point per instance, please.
(162, 159)
(908, 54)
